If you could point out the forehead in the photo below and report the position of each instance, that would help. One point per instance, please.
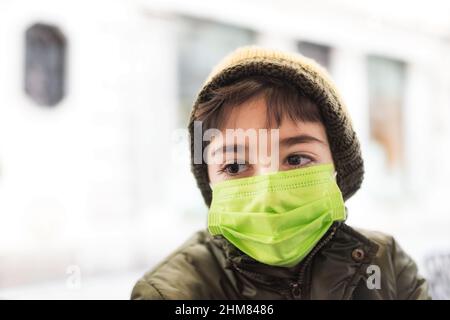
(252, 114)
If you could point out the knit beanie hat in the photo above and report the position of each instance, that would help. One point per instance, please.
(313, 82)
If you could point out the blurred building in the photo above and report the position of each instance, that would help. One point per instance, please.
(94, 99)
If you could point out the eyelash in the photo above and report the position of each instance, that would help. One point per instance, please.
(223, 169)
(311, 159)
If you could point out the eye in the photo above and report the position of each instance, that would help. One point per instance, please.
(298, 160)
(233, 169)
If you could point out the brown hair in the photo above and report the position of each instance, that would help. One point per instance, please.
(282, 99)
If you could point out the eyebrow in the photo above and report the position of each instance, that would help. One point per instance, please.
(302, 138)
(230, 148)
(290, 141)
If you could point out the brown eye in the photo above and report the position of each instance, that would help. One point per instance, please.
(234, 168)
(297, 160)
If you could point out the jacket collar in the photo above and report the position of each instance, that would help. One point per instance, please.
(341, 265)
(336, 272)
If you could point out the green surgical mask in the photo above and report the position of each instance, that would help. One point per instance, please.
(277, 218)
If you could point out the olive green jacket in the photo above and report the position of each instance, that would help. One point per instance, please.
(345, 264)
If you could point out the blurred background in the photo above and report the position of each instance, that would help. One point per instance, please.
(95, 186)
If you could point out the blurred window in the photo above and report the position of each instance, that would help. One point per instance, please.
(386, 82)
(45, 50)
(201, 45)
(318, 52)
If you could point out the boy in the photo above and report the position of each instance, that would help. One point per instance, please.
(276, 221)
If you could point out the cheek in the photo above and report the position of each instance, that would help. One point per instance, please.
(326, 156)
(322, 154)
(213, 174)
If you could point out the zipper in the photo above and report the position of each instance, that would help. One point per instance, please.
(296, 291)
(296, 286)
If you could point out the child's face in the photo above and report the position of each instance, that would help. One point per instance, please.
(299, 144)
